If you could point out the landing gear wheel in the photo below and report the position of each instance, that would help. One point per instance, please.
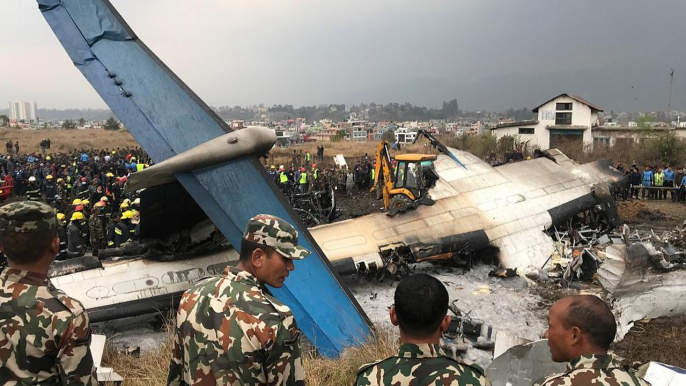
(399, 204)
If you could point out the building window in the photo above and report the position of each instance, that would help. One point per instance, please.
(526, 130)
(563, 118)
(564, 106)
(600, 143)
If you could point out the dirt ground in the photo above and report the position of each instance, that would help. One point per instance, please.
(65, 140)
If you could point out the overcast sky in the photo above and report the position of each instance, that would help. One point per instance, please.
(321, 51)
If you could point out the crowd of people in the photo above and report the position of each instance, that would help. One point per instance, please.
(653, 182)
(86, 187)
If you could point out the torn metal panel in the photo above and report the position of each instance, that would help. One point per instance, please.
(636, 289)
(660, 374)
(522, 365)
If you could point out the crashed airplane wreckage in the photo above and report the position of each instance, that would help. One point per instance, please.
(206, 184)
(644, 279)
(478, 206)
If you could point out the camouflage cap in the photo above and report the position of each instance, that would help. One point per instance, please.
(276, 233)
(27, 216)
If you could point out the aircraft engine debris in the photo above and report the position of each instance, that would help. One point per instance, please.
(644, 279)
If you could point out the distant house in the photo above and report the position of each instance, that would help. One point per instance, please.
(405, 135)
(563, 119)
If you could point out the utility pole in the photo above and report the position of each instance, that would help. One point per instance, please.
(669, 102)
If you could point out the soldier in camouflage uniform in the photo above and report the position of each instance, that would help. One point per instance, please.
(580, 331)
(230, 330)
(421, 312)
(44, 334)
(95, 230)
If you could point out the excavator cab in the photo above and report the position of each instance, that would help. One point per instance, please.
(413, 176)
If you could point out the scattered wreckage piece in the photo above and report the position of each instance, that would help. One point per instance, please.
(660, 374)
(315, 207)
(522, 365)
(643, 280)
(104, 375)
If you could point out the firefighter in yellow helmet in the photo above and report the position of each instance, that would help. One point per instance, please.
(62, 234)
(75, 231)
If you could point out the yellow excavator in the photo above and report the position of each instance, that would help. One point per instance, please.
(406, 187)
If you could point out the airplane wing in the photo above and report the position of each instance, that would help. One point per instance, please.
(477, 206)
(167, 118)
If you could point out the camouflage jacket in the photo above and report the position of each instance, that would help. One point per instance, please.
(231, 331)
(44, 334)
(601, 370)
(420, 364)
(95, 230)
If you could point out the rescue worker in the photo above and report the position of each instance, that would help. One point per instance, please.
(117, 232)
(83, 192)
(45, 334)
(272, 173)
(420, 311)
(95, 231)
(33, 190)
(580, 331)
(75, 245)
(50, 189)
(126, 218)
(62, 234)
(659, 182)
(302, 180)
(254, 336)
(308, 159)
(283, 178)
(315, 177)
(61, 194)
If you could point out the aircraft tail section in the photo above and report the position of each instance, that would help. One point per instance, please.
(167, 119)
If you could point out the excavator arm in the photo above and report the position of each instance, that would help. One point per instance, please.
(438, 145)
(383, 165)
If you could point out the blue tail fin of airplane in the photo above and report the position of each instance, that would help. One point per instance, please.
(167, 118)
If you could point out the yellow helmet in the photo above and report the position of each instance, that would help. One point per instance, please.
(77, 201)
(86, 202)
(114, 152)
(109, 174)
(137, 201)
(48, 158)
(124, 205)
(60, 216)
(60, 179)
(99, 204)
(77, 216)
(126, 200)
(104, 198)
(48, 177)
(127, 214)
